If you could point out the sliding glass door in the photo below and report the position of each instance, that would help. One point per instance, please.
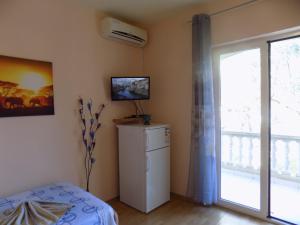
(240, 112)
(285, 129)
(258, 99)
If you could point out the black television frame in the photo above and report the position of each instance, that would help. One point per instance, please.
(111, 89)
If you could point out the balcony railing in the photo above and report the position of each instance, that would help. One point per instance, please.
(241, 150)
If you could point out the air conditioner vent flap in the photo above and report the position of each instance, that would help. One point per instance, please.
(115, 29)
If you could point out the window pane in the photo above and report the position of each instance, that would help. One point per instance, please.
(285, 130)
(240, 74)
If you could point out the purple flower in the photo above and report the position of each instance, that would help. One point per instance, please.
(89, 105)
(92, 134)
(80, 101)
(90, 124)
(98, 126)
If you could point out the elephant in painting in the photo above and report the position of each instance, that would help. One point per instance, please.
(41, 101)
(35, 101)
(13, 102)
(49, 100)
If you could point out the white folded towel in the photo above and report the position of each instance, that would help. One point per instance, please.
(35, 213)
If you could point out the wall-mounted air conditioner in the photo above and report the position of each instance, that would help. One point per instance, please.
(115, 29)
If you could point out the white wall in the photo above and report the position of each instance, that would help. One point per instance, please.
(42, 149)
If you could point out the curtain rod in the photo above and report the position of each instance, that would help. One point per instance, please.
(231, 8)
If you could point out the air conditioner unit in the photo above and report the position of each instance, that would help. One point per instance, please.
(115, 29)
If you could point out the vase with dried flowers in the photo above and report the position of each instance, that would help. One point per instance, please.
(90, 124)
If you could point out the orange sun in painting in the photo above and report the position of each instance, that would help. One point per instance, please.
(32, 81)
(25, 74)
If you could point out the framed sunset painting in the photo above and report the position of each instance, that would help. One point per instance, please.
(26, 87)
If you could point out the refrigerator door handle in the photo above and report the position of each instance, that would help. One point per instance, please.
(147, 164)
(147, 140)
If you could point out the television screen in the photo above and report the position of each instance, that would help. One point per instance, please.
(130, 88)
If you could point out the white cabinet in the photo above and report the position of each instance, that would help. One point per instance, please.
(144, 165)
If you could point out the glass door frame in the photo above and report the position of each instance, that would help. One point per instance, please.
(263, 47)
(269, 42)
(262, 43)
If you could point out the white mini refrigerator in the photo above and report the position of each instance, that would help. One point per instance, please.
(144, 165)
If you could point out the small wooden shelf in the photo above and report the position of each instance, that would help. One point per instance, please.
(128, 120)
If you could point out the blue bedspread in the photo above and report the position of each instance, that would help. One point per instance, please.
(87, 210)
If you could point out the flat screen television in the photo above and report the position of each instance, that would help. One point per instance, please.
(130, 88)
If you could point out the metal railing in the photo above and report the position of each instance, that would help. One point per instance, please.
(241, 150)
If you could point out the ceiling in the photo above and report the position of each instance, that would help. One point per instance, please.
(142, 11)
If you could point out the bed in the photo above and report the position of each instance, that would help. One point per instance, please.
(86, 210)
